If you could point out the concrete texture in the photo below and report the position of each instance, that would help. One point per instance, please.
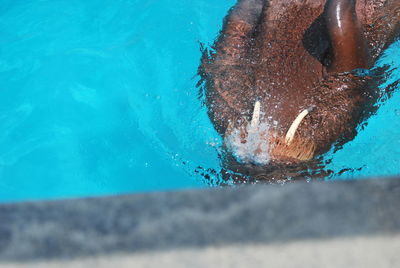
(355, 252)
(257, 219)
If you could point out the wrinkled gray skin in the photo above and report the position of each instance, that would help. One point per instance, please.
(291, 55)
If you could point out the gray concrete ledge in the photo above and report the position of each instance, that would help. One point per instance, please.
(354, 252)
(257, 216)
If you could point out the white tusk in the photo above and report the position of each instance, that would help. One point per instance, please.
(255, 120)
(295, 125)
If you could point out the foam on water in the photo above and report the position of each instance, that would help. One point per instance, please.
(253, 148)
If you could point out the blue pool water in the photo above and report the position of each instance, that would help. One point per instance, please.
(100, 97)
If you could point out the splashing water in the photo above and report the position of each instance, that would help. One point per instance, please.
(253, 148)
